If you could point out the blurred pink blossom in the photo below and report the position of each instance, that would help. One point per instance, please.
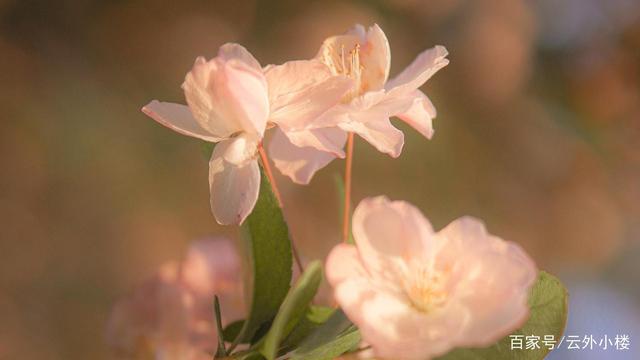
(170, 315)
(232, 100)
(416, 294)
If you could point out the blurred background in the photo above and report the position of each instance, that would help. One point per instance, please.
(538, 133)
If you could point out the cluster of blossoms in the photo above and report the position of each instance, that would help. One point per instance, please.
(311, 104)
(414, 293)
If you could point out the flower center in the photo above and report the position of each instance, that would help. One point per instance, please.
(426, 289)
(348, 64)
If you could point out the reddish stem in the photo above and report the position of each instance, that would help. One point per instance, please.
(347, 189)
(267, 170)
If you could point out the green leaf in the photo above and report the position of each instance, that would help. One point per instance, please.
(207, 149)
(221, 351)
(313, 318)
(330, 350)
(292, 309)
(248, 355)
(319, 314)
(268, 251)
(232, 330)
(548, 304)
(333, 338)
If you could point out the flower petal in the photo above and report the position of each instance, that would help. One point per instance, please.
(212, 267)
(227, 97)
(177, 117)
(374, 55)
(335, 50)
(300, 91)
(368, 106)
(241, 149)
(234, 189)
(378, 132)
(390, 232)
(420, 115)
(394, 328)
(204, 103)
(375, 58)
(246, 91)
(298, 163)
(492, 281)
(420, 70)
(344, 263)
(233, 51)
(330, 140)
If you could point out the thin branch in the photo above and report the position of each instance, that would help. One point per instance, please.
(347, 189)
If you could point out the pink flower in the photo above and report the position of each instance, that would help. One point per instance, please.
(303, 91)
(232, 101)
(365, 57)
(416, 294)
(300, 162)
(169, 316)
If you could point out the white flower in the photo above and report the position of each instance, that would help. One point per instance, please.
(416, 294)
(231, 100)
(365, 57)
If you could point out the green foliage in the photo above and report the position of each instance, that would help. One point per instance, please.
(341, 344)
(313, 318)
(207, 149)
(268, 250)
(292, 309)
(249, 355)
(333, 338)
(232, 330)
(222, 351)
(548, 304)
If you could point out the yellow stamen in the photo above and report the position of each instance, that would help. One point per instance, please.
(348, 64)
(426, 289)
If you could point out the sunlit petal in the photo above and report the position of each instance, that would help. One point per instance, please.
(234, 188)
(298, 163)
(420, 70)
(420, 114)
(178, 118)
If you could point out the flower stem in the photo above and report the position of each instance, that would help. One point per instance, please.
(267, 169)
(347, 190)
